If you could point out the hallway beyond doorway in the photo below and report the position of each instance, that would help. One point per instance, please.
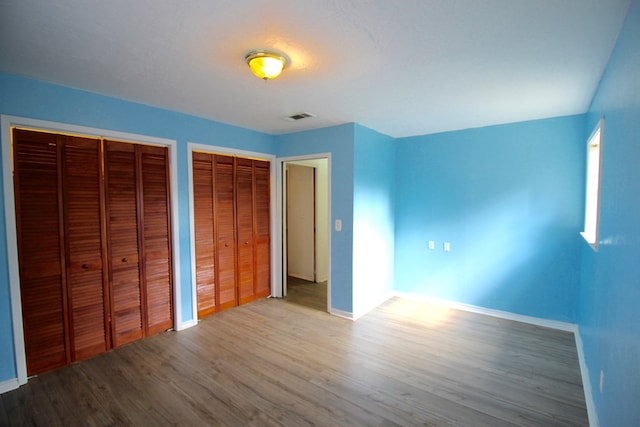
(308, 294)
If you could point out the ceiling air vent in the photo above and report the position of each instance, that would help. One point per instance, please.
(299, 116)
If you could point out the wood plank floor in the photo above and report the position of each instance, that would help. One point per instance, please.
(272, 363)
(308, 294)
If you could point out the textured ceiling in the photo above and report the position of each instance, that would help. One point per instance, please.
(402, 68)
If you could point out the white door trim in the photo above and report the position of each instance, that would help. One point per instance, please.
(281, 215)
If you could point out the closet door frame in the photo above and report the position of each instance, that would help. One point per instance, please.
(211, 149)
(7, 123)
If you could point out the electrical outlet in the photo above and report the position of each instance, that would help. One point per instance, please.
(447, 246)
(432, 244)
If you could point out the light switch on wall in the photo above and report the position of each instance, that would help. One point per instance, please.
(338, 225)
(447, 246)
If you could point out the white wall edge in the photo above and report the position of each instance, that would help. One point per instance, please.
(340, 313)
(537, 321)
(277, 286)
(9, 385)
(192, 241)
(586, 382)
(12, 252)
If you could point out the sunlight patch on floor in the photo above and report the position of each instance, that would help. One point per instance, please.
(424, 312)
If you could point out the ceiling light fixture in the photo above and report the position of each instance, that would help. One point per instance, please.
(266, 64)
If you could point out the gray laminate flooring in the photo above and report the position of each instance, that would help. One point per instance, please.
(272, 363)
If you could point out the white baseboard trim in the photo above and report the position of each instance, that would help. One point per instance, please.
(586, 382)
(185, 325)
(344, 314)
(9, 385)
(537, 321)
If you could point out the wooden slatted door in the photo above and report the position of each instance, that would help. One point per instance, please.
(262, 221)
(244, 215)
(95, 256)
(232, 232)
(204, 237)
(138, 229)
(156, 237)
(122, 229)
(225, 230)
(39, 225)
(85, 246)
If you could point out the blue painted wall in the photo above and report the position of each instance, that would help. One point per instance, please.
(38, 100)
(373, 219)
(339, 141)
(609, 318)
(509, 199)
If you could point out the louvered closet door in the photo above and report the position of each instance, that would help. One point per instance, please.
(86, 281)
(262, 220)
(123, 238)
(244, 212)
(40, 249)
(224, 223)
(95, 255)
(156, 239)
(204, 237)
(232, 236)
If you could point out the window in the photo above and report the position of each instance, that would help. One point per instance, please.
(592, 196)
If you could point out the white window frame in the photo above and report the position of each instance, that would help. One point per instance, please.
(592, 186)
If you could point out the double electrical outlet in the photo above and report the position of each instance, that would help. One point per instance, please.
(446, 246)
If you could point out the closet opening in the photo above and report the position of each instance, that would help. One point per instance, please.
(92, 218)
(232, 238)
(81, 277)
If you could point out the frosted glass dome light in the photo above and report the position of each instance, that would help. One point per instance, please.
(266, 64)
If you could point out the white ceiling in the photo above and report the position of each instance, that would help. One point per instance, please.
(403, 67)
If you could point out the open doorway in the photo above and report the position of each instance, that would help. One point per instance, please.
(306, 232)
